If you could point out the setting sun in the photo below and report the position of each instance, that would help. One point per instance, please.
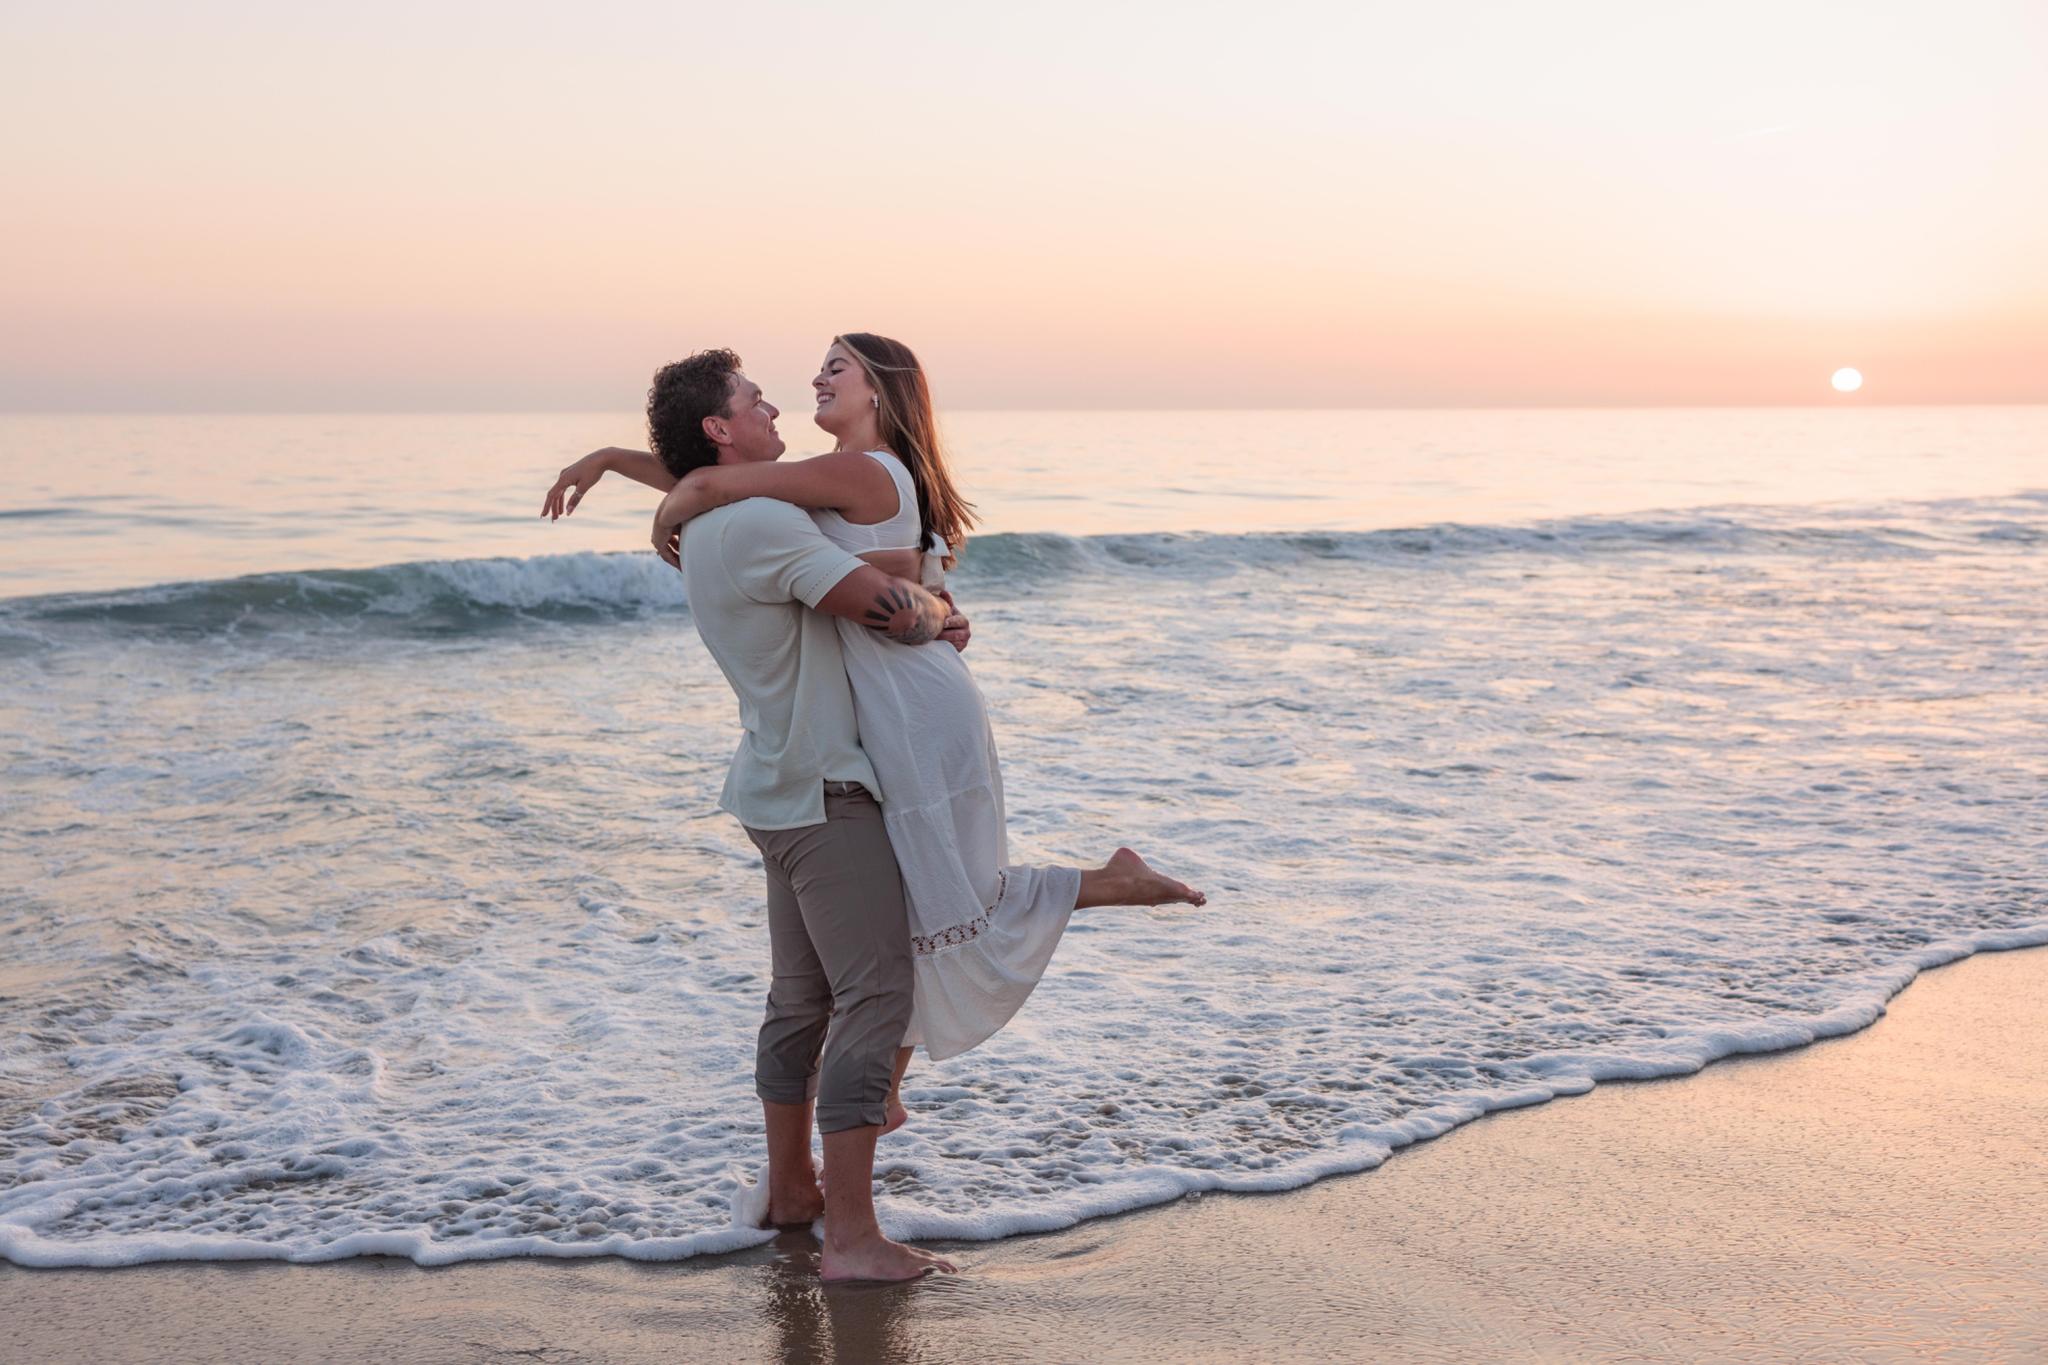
(1847, 380)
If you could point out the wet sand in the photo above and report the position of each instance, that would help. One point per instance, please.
(1882, 1196)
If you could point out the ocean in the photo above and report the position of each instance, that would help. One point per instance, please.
(362, 891)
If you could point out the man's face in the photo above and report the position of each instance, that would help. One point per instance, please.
(750, 423)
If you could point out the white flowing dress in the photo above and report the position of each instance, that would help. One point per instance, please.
(981, 930)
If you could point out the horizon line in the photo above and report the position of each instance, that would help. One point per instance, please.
(1836, 405)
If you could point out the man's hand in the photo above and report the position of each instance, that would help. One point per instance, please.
(575, 481)
(957, 630)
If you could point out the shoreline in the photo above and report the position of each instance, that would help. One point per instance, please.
(1571, 1077)
(1870, 1192)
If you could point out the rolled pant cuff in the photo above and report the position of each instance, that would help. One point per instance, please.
(787, 1092)
(837, 1118)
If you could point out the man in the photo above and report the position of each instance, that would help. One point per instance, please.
(761, 581)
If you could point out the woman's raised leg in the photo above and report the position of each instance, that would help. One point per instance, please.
(1126, 879)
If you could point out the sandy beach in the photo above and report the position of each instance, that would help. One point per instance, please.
(1877, 1196)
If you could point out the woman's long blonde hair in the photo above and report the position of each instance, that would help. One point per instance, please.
(910, 428)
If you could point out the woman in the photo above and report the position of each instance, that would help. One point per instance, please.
(982, 930)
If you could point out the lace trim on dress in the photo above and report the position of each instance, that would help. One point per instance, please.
(953, 935)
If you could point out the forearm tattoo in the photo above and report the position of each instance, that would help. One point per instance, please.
(905, 615)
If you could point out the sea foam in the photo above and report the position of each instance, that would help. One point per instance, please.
(387, 912)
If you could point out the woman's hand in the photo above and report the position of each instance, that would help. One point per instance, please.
(668, 537)
(691, 497)
(575, 481)
(958, 630)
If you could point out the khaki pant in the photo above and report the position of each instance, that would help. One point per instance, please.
(839, 934)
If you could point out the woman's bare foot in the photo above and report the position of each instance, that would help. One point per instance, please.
(897, 1115)
(1126, 879)
(877, 1258)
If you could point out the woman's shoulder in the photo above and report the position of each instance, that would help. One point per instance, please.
(889, 460)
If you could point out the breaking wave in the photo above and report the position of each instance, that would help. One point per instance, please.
(453, 597)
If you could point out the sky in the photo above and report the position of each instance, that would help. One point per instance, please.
(519, 206)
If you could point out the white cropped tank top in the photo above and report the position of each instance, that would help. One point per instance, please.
(898, 532)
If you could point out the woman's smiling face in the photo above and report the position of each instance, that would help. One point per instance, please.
(843, 392)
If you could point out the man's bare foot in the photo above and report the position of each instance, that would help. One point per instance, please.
(800, 1206)
(897, 1115)
(1126, 879)
(877, 1258)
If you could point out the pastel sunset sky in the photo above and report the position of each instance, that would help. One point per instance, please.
(530, 206)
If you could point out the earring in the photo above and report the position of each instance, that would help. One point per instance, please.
(876, 399)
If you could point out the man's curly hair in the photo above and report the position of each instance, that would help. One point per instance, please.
(682, 396)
